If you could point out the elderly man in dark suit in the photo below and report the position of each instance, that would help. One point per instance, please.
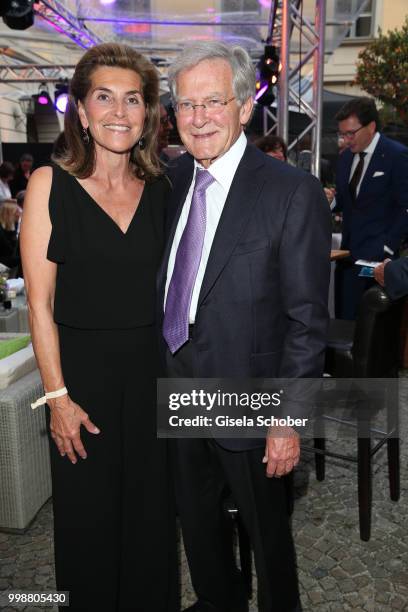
(244, 287)
(393, 276)
(372, 193)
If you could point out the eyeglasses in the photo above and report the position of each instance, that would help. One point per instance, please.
(350, 133)
(210, 106)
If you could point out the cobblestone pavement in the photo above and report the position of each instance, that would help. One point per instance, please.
(337, 571)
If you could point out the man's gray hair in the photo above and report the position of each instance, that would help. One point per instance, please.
(243, 71)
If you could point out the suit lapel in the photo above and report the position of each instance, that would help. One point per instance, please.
(348, 155)
(343, 176)
(240, 202)
(346, 168)
(175, 207)
(375, 163)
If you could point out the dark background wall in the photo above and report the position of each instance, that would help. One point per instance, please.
(39, 150)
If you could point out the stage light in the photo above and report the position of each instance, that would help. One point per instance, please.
(265, 96)
(106, 2)
(268, 69)
(269, 65)
(17, 14)
(61, 96)
(61, 103)
(43, 97)
(261, 92)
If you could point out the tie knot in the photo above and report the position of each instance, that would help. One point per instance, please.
(362, 154)
(203, 180)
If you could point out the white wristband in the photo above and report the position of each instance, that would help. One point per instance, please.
(49, 395)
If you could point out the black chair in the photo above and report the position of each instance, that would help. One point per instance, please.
(367, 348)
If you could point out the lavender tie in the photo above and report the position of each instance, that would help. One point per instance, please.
(175, 326)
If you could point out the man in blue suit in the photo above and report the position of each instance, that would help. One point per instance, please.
(372, 193)
(393, 276)
(244, 287)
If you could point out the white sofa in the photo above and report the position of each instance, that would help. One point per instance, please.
(25, 476)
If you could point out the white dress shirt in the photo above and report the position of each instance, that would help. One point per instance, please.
(369, 153)
(223, 170)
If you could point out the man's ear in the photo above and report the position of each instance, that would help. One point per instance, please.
(245, 111)
(373, 128)
(82, 115)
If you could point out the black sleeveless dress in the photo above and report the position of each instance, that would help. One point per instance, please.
(114, 520)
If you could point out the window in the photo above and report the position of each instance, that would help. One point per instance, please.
(363, 26)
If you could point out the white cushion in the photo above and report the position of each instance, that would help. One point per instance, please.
(16, 365)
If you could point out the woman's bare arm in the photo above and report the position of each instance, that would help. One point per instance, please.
(40, 278)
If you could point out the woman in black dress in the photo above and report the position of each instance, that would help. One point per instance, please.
(91, 241)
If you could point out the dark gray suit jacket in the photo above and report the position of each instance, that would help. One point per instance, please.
(262, 309)
(396, 278)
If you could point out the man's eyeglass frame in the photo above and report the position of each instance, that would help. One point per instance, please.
(205, 107)
(350, 133)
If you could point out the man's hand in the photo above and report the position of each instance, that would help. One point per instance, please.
(282, 451)
(330, 193)
(379, 272)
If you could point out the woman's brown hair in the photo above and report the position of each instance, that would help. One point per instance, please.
(78, 157)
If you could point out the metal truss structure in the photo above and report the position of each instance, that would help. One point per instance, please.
(35, 73)
(287, 19)
(66, 22)
(286, 22)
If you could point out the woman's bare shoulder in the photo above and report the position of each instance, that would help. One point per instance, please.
(41, 177)
(39, 184)
(39, 189)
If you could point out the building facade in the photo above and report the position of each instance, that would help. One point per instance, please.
(340, 67)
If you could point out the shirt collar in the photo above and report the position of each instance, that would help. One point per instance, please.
(224, 168)
(371, 147)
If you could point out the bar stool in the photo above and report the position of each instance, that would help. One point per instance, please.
(366, 348)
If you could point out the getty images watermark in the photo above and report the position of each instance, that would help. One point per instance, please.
(254, 408)
(208, 401)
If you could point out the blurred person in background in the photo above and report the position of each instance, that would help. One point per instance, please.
(164, 133)
(10, 215)
(304, 161)
(274, 146)
(6, 175)
(22, 174)
(372, 195)
(20, 198)
(8, 254)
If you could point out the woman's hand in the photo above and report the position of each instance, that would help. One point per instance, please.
(66, 420)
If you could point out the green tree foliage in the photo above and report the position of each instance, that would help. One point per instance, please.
(382, 69)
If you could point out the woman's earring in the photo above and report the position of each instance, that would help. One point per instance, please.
(85, 135)
(142, 144)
